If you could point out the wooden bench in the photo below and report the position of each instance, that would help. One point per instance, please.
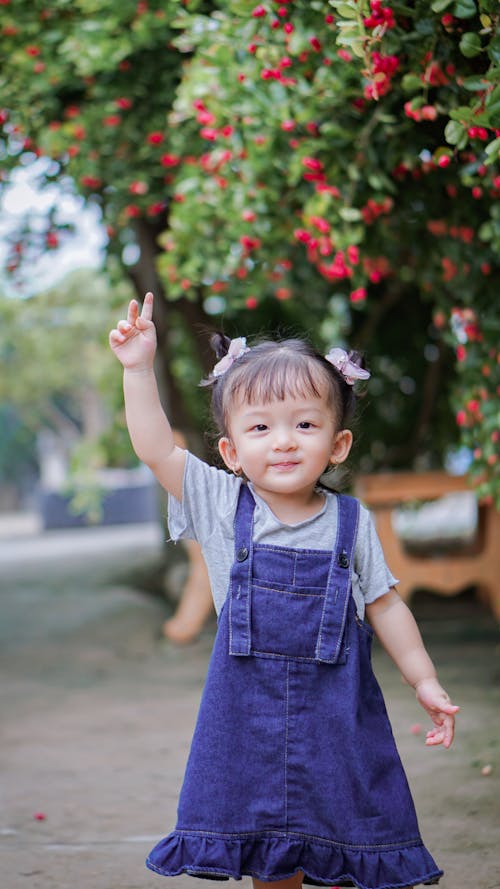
(445, 572)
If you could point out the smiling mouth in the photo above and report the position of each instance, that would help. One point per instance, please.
(285, 464)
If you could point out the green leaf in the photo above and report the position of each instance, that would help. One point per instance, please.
(464, 9)
(440, 5)
(411, 83)
(454, 132)
(470, 45)
(350, 214)
(346, 10)
(494, 50)
(474, 84)
(493, 147)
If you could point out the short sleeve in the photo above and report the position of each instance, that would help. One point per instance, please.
(209, 498)
(374, 577)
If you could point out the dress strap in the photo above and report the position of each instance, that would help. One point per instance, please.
(338, 589)
(241, 575)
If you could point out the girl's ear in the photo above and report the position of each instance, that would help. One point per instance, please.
(341, 446)
(228, 453)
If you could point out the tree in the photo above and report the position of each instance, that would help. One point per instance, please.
(332, 166)
(62, 378)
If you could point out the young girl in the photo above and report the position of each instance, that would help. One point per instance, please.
(293, 774)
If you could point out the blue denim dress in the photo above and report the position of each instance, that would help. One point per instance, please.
(293, 765)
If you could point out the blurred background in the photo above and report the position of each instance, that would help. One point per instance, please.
(327, 169)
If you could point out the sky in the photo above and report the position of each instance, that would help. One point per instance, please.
(82, 249)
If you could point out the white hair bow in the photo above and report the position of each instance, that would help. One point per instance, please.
(347, 368)
(237, 348)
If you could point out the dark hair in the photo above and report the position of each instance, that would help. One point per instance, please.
(275, 369)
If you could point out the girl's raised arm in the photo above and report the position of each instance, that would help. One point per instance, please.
(134, 344)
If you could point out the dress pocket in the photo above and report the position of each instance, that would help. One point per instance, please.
(287, 622)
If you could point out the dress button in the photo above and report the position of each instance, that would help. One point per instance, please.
(343, 560)
(242, 554)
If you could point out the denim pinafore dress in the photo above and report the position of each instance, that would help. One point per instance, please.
(293, 765)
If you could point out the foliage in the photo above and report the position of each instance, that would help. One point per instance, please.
(327, 166)
(61, 375)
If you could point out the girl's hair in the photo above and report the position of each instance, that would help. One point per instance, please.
(275, 370)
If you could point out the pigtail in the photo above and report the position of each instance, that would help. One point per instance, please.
(219, 343)
(357, 359)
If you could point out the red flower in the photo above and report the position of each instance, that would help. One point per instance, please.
(112, 120)
(248, 243)
(302, 235)
(283, 293)
(32, 50)
(205, 117)
(138, 187)
(353, 254)
(444, 161)
(321, 224)
(155, 209)
(123, 103)
(169, 160)
(358, 296)
(155, 138)
(90, 181)
(209, 133)
(259, 12)
(313, 164)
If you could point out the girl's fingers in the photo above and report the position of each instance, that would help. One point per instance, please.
(147, 307)
(133, 311)
(116, 338)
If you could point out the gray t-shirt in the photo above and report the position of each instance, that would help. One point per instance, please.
(207, 511)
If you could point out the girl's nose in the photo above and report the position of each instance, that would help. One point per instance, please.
(284, 440)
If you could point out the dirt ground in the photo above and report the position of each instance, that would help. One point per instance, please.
(98, 711)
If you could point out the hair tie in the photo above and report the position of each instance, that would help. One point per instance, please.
(237, 348)
(346, 368)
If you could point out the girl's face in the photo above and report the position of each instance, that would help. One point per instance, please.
(283, 446)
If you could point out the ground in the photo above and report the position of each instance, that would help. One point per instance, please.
(98, 711)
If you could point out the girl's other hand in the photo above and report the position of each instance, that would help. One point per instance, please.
(433, 698)
(134, 341)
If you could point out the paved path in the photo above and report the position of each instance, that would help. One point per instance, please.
(97, 716)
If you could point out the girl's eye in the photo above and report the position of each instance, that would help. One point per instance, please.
(306, 424)
(259, 427)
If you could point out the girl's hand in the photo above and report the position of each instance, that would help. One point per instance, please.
(134, 340)
(436, 702)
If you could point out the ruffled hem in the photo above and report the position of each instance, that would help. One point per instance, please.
(276, 857)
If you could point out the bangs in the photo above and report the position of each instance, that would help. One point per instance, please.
(279, 375)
